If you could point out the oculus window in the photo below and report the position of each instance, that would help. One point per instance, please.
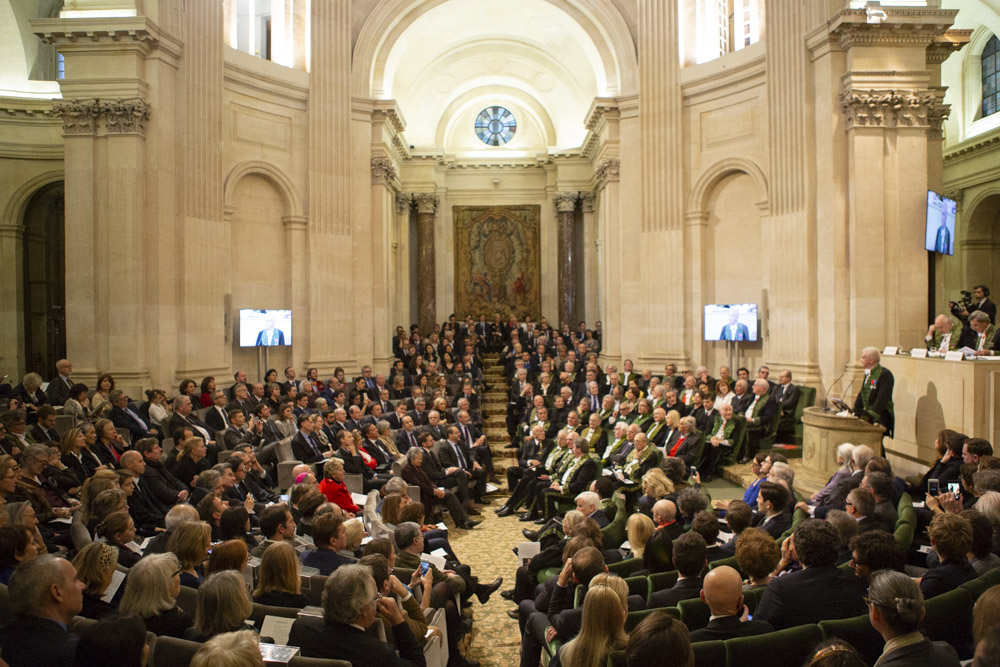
(495, 126)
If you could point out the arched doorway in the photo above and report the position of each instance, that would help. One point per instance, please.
(982, 244)
(44, 276)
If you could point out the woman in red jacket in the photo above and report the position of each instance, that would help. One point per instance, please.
(333, 486)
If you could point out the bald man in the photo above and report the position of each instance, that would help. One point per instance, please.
(722, 591)
(658, 555)
(947, 334)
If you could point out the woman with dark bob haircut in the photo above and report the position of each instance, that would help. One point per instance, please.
(659, 639)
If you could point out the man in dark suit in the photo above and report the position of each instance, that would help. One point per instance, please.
(874, 401)
(146, 510)
(773, 517)
(124, 417)
(786, 395)
(306, 447)
(184, 417)
(820, 590)
(689, 559)
(432, 465)
(330, 538)
(45, 428)
(981, 294)
(241, 400)
(167, 489)
(434, 425)
(340, 634)
(686, 445)
(290, 381)
(59, 386)
(861, 507)
(406, 437)
(457, 459)
(216, 416)
(49, 595)
(722, 591)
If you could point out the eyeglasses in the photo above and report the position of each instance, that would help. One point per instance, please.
(177, 573)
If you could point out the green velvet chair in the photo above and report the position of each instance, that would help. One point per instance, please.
(694, 613)
(635, 617)
(858, 632)
(948, 617)
(807, 399)
(710, 654)
(625, 568)
(791, 646)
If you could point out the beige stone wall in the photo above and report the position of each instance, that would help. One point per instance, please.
(257, 185)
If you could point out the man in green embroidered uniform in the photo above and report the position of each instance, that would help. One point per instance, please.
(874, 401)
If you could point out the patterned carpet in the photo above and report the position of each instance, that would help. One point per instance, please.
(487, 550)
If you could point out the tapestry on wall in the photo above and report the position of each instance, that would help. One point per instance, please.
(497, 263)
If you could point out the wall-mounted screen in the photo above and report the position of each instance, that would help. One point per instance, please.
(733, 321)
(940, 233)
(265, 328)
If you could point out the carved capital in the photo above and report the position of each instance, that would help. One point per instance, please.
(565, 202)
(125, 116)
(78, 116)
(957, 195)
(587, 201)
(383, 171)
(402, 203)
(608, 171)
(426, 202)
(895, 108)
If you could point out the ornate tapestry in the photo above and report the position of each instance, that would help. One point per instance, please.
(497, 263)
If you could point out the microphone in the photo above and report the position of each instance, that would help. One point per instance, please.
(826, 397)
(844, 394)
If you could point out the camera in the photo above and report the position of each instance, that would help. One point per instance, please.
(962, 305)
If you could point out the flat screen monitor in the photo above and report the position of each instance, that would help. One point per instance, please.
(265, 328)
(733, 321)
(939, 235)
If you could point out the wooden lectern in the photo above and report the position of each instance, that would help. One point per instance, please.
(822, 433)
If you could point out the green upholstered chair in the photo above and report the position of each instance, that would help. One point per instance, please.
(694, 613)
(661, 580)
(948, 617)
(982, 583)
(710, 654)
(858, 632)
(624, 568)
(791, 646)
(635, 617)
(807, 399)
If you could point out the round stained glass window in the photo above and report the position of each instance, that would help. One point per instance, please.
(495, 126)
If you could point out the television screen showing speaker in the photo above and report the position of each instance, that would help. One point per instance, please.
(733, 321)
(940, 233)
(265, 328)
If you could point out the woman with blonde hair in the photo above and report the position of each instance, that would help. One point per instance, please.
(602, 629)
(76, 455)
(639, 529)
(223, 606)
(95, 567)
(655, 486)
(10, 472)
(230, 649)
(355, 533)
(151, 591)
(228, 555)
(278, 583)
(190, 543)
(191, 461)
(391, 507)
(332, 486)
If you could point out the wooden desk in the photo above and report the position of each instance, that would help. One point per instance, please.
(933, 394)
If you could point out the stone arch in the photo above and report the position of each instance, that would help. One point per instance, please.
(17, 205)
(698, 201)
(599, 18)
(293, 204)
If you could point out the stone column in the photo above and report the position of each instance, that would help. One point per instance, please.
(565, 203)
(659, 330)
(426, 274)
(588, 307)
(791, 306)
(891, 120)
(401, 263)
(335, 325)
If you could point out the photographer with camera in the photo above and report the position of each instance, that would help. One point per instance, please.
(980, 301)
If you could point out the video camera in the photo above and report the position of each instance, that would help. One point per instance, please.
(962, 305)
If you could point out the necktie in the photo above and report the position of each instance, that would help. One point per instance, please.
(593, 402)
(467, 435)
(462, 463)
(312, 443)
(413, 441)
(137, 419)
(680, 441)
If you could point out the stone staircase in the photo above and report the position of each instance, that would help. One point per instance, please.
(494, 409)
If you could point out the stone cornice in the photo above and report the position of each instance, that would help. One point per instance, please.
(85, 33)
(599, 108)
(903, 26)
(973, 146)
